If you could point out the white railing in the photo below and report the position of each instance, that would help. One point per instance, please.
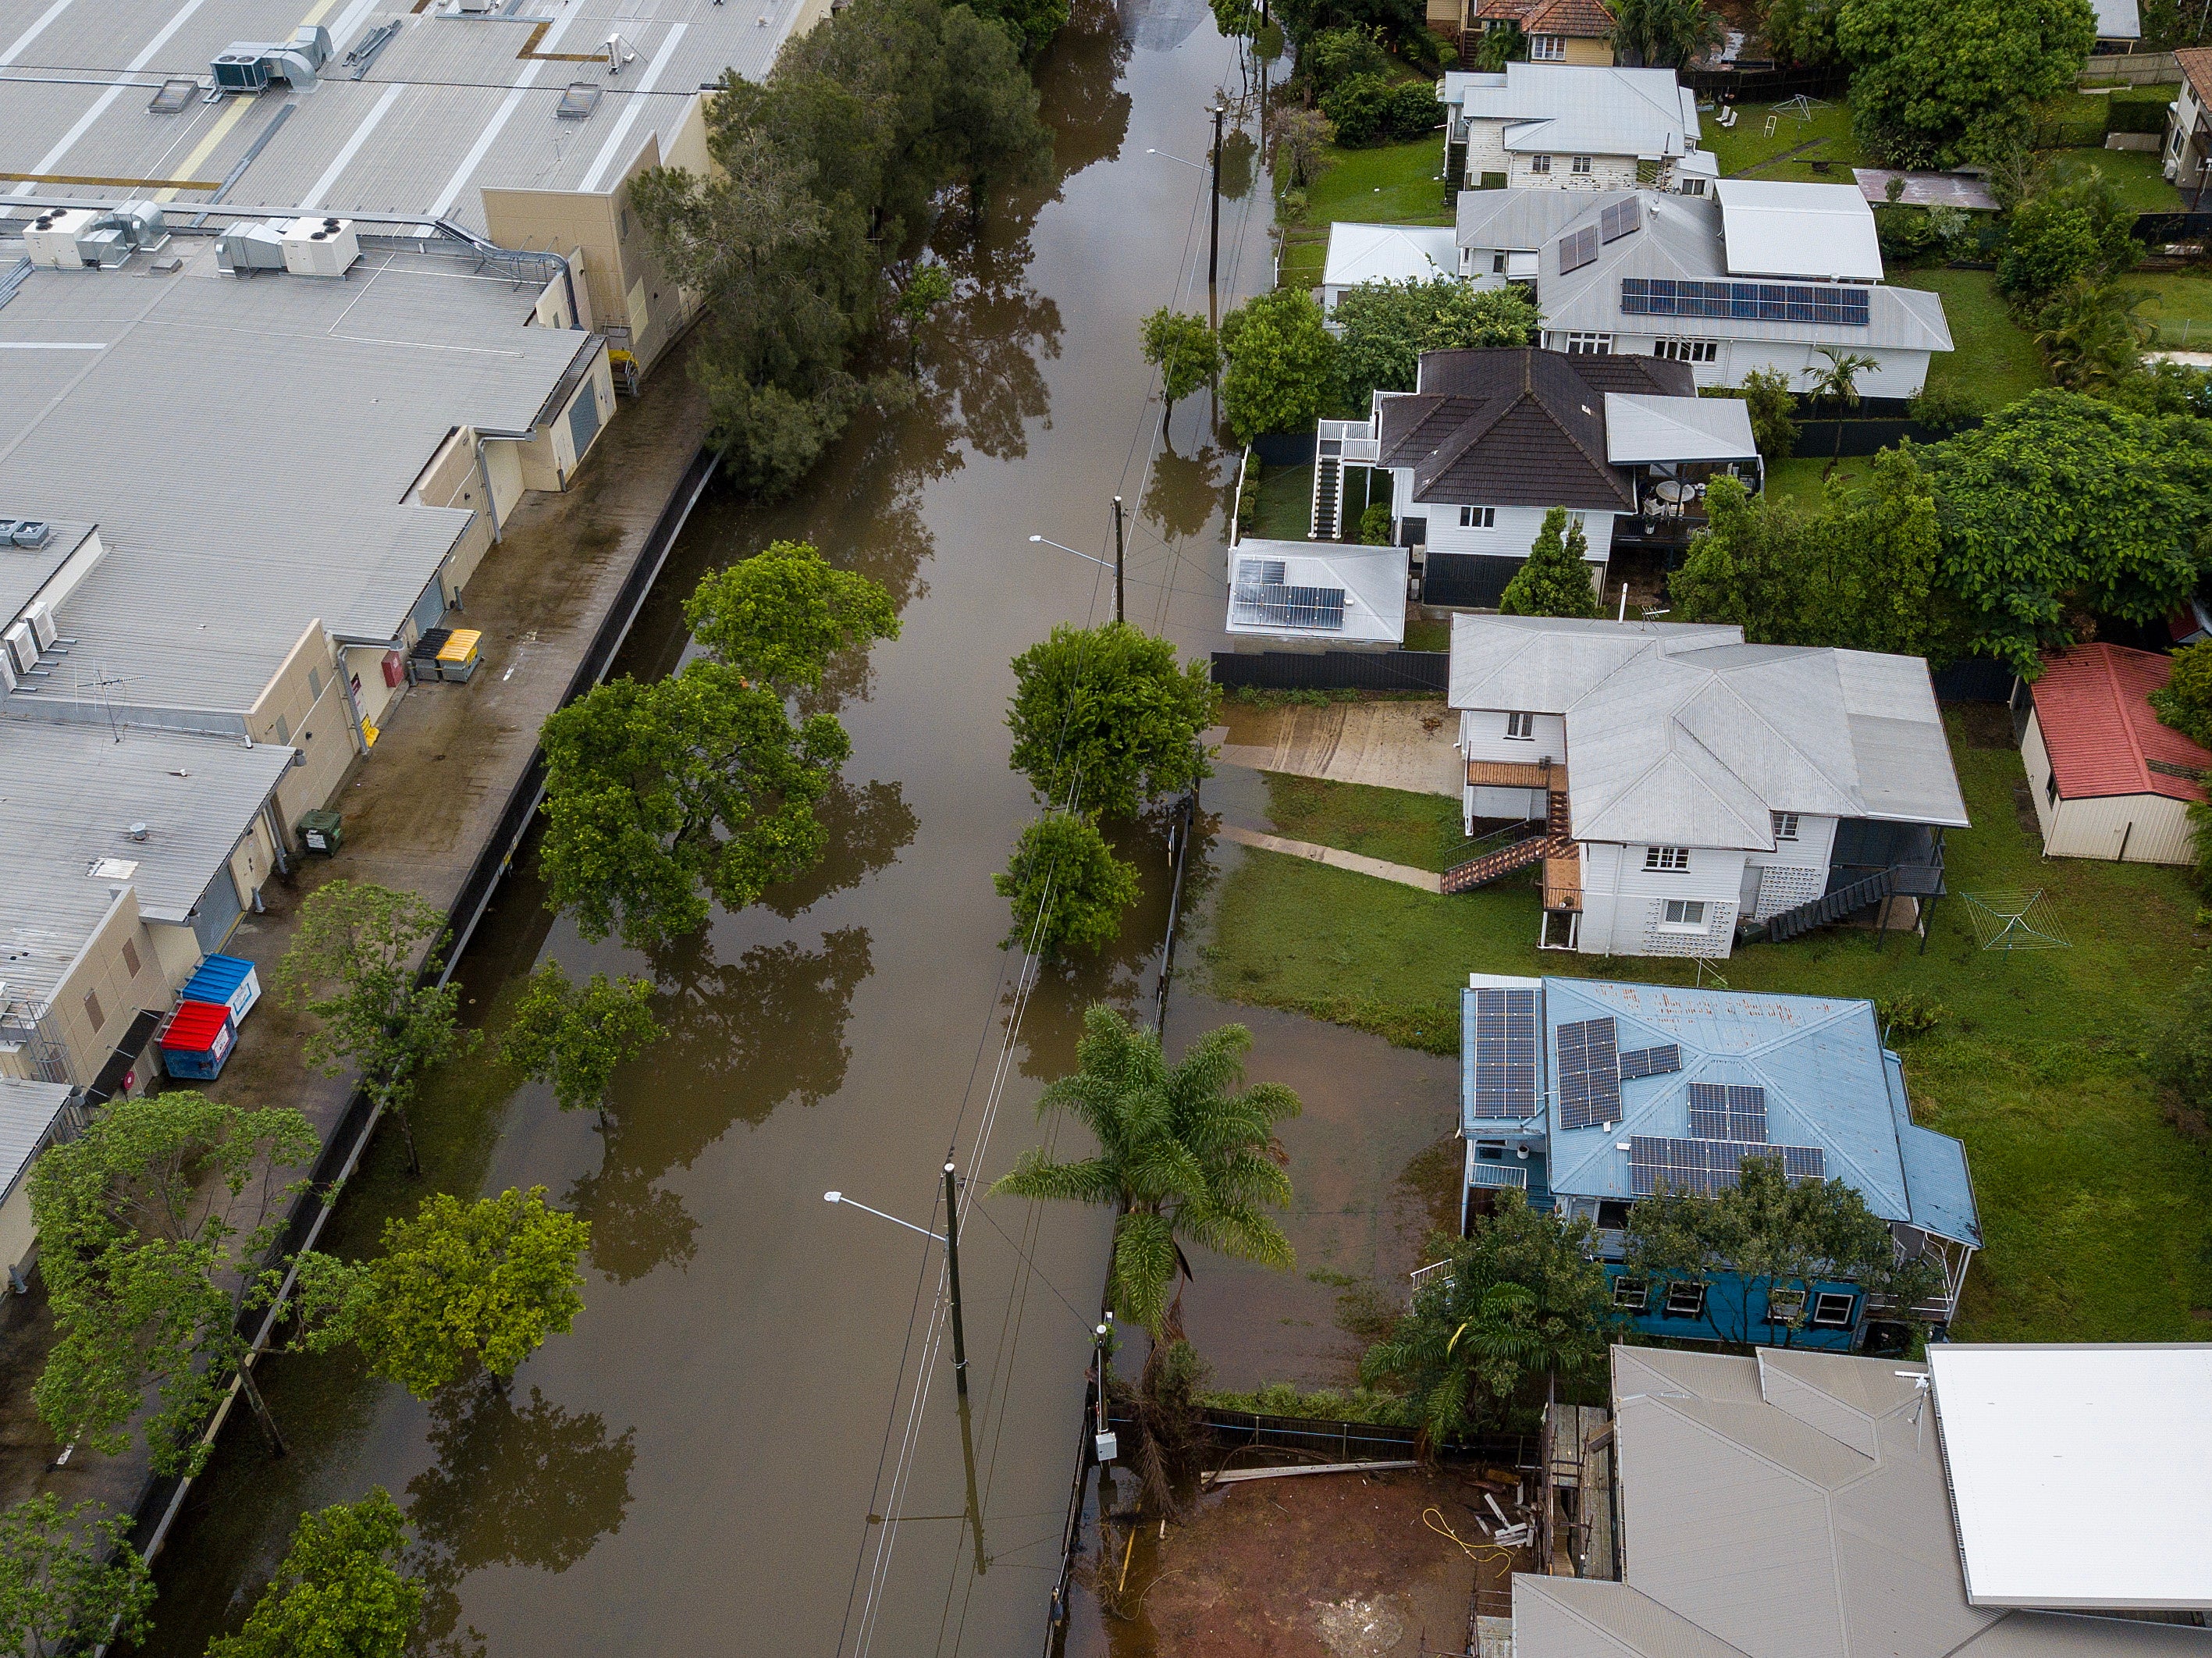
(1499, 1176)
(1361, 446)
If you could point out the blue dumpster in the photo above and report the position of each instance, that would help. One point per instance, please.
(227, 982)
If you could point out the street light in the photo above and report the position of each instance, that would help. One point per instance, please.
(951, 1239)
(1200, 166)
(1119, 608)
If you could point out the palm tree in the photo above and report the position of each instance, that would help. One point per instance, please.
(1184, 1154)
(1839, 380)
(2092, 334)
(1664, 34)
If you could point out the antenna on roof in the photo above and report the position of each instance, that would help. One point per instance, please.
(1920, 1380)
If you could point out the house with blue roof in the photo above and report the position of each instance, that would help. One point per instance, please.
(1589, 1096)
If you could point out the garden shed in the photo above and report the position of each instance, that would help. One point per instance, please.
(2108, 779)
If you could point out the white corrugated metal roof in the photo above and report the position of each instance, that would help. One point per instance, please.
(2118, 20)
(1388, 253)
(24, 570)
(1584, 109)
(1372, 579)
(1775, 228)
(2079, 1473)
(27, 1110)
(1640, 429)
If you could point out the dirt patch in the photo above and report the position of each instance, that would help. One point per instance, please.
(1320, 1566)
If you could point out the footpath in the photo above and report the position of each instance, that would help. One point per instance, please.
(452, 774)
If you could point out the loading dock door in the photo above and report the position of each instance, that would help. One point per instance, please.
(429, 607)
(218, 912)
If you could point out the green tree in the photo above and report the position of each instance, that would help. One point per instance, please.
(1031, 22)
(363, 964)
(1933, 86)
(1802, 31)
(2181, 1057)
(2185, 702)
(1663, 34)
(1839, 383)
(1185, 349)
(69, 1580)
(779, 615)
(2066, 230)
(575, 1037)
(1282, 364)
(1236, 18)
(928, 288)
(153, 1227)
(1774, 411)
(1359, 108)
(1185, 1153)
(1388, 326)
(458, 1285)
(1067, 888)
(1298, 141)
(1500, 44)
(1783, 1238)
(1555, 579)
(337, 1592)
(2062, 502)
(1523, 1301)
(1334, 55)
(2092, 334)
(1375, 526)
(1108, 712)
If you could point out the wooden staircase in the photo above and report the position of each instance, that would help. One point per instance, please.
(1554, 849)
(1495, 866)
(1328, 494)
(1826, 909)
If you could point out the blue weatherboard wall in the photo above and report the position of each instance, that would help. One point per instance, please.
(1736, 1311)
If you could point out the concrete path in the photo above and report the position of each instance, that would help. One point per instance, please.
(1405, 875)
(1391, 746)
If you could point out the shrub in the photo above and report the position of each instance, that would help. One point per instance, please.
(1360, 106)
(1941, 408)
(1375, 526)
(1335, 56)
(1906, 232)
(2065, 232)
(1907, 1015)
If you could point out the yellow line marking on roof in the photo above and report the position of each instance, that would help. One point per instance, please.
(215, 135)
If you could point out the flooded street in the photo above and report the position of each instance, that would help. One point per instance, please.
(707, 1462)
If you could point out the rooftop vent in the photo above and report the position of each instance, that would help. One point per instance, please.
(578, 102)
(174, 97)
(29, 533)
(138, 831)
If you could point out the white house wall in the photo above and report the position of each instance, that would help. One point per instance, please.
(1486, 153)
(1624, 904)
(1512, 534)
(1897, 372)
(1482, 737)
(1795, 872)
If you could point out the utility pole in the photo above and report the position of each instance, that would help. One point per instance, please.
(1214, 238)
(952, 1269)
(1118, 612)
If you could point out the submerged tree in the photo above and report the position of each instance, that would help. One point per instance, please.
(363, 964)
(153, 1229)
(1105, 718)
(1185, 349)
(779, 615)
(338, 1592)
(1185, 1153)
(573, 1036)
(457, 1285)
(1067, 888)
(69, 1580)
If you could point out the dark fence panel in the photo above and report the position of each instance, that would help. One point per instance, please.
(1475, 580)
(1284, 448)
(1332, 670)
(1817, 439)
(2156, 229)
(1766, 85)
(1352, 1441)
(1973, 679)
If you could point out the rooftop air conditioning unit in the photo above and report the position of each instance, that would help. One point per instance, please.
(41, 618)
(31, 532)
(23, 645)
(107, 248)
(242, 66)
(50, 239)
(8, 681)
(247, 248)
(478, 5)
(320, 247)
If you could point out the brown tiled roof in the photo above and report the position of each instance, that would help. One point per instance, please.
(1519, 427)
(2197, 69)
(1583, 20)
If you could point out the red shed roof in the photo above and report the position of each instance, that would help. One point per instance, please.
(2099, 728)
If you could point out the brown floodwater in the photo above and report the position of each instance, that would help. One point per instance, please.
(727, 1453)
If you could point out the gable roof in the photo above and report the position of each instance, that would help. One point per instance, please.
(2093, 706)
(1792, 1504)
(1829, 1084)
(1546, 664)
(1587, 108)
(1581, 20)
(1517, 427)
(1387, 253)
(2197, 69)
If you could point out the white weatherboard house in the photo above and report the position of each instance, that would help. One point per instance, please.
(1758, 274)
(1689, 784)
(1361, 253)
(1569, 126)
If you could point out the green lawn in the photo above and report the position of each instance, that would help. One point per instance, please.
(1746, 146)
(1800, 480)
(1422, 635)
(2181, 305)
(2134, 172)
(2094, 1209)
(1421, 830)
(1387, 184)
(1993, 360)
(1285, 510)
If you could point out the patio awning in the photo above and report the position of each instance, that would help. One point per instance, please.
(1641, 429)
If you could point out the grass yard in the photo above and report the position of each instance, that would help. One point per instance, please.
(2180, 304)
(1285, 510)
(1420, 830)
(1386, 183)
(1993, 361)
(1746, 147)
(2134, 172)
(2094, 1209)
(1800, 480)
(1423, 635)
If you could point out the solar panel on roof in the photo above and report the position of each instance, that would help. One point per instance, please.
(1589, 1074)
(1578, 249)
(1273, 604)
(1649, 1061)
(1835, 304)
(1505, 1053)
(1728, 1111)
(1702, 1167)
(1621, 219)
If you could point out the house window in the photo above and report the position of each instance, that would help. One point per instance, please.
(314, 684)
(625, 233)
(1689, 143)
(1833, 1310)
(92, 1010)
(130, 957)
(1667, 858)
(1477, 518)
(1630, 1295)
(1686, 913)
(1540, 164)
(1784, 1306)
(1497, 264)
(1785, 825)
(1489, 1151)
(1688, 351)
(2051, 788)
(1685, 1300)
(1589, 345)
(1522, 727)
(1546, 48)
(1582, 164)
